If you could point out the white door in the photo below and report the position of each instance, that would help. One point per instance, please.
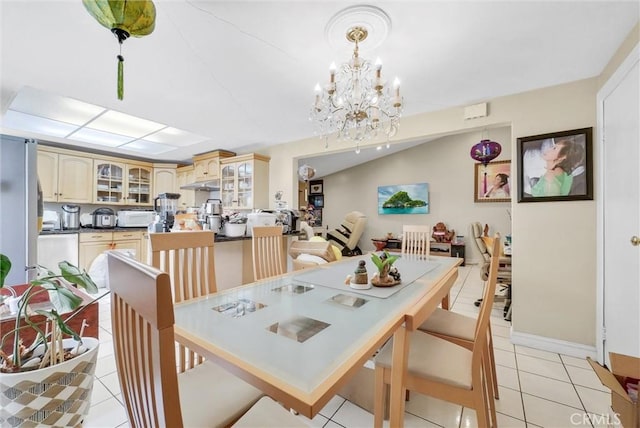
(619, 288)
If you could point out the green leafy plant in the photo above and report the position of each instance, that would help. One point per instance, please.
(64, 299)
(382, 261)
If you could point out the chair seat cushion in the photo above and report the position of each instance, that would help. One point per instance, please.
(433, 358)
(450, 324)
(210, 396)
(266, 413)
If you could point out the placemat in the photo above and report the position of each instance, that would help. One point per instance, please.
(334, 276)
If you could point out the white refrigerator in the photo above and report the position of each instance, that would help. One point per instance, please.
(19, 206)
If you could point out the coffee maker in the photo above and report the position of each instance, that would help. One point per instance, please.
(166, 205)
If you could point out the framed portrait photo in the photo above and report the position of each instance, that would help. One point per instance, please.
(556, 166)
(315, 187)
(492, 183)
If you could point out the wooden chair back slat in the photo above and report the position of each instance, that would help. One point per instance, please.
(142, 322)
(268, 252)
(416, 240)
(188, 258)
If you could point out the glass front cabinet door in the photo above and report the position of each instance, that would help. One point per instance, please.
(244, 182)
(138, 185)
(122, 184)
(228, 185)
(109, 182)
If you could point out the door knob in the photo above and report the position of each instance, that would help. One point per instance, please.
(635, 241)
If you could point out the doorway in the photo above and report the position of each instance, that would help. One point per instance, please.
(619, 212)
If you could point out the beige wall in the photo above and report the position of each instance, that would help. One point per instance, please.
(445, 164)
(621, 54)
(553, 242)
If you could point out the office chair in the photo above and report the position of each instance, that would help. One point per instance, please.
(483, 243)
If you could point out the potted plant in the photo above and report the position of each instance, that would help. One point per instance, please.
(387, 275)
(48, 381)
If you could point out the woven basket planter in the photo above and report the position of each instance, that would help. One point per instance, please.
(53, 396)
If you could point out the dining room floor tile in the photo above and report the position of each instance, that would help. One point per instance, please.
(537, 388)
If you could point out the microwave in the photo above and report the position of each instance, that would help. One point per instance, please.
(135, 218)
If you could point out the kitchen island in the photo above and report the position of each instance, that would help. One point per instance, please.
(233, 256)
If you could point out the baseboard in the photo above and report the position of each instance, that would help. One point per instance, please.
(557, 346)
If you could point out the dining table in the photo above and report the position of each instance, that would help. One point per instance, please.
(301, 336)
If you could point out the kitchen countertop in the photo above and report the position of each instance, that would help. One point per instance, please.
(219, 237)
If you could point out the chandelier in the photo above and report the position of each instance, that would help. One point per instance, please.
(357, 103)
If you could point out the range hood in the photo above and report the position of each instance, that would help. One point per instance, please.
(205, 186)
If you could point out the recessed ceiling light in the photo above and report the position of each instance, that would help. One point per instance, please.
(170, 135)
(26, 122)
(64, 109)
(124, 124)
(99, 137)
(147, 147)
(47, 114)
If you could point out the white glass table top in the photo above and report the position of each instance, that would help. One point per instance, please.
(263, 324)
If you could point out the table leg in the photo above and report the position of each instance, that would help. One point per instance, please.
(445, 302)
(399, 361)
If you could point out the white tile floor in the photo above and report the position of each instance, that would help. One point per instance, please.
(537, 388)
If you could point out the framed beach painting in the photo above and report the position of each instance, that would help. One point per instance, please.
(556, 166)
(404, 199)
(492, 182)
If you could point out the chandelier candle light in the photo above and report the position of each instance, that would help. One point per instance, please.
(355, 103)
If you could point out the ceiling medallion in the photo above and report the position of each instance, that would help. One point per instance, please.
(357, 103)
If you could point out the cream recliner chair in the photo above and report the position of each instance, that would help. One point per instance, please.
(347, 236)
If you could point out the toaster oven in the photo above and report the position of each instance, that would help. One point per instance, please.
(135, 218)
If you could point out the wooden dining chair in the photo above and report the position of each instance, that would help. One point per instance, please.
(188, 259)
(460, 329)
(268, 252)
(436, 367)
(416, 240)
(155, 395)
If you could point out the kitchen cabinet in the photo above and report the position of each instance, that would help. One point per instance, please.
(95, 243)
(138, 185)
(109, 181)
(164, 179)
(244, 182)
(64, 177)
(186, 175)
(207, 166)
(119, 183)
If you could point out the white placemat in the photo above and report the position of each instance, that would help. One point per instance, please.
(335, 275)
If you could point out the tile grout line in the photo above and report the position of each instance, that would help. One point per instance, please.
(576, 390)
